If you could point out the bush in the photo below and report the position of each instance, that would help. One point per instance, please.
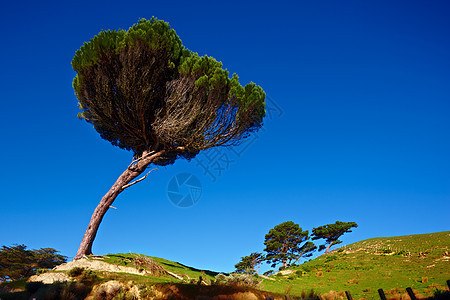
(237, 280)
(75, 272)
(19, 263)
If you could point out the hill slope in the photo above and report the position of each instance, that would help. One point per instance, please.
(419, 261)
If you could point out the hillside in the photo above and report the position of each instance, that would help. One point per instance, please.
(418, 261)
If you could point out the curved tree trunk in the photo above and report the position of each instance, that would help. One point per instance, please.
(328, 248)
(121, 184)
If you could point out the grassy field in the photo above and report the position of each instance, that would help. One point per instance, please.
(421, 262)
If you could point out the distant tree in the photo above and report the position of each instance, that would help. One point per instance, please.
(143, 91)
(331, 233)
(286, 243)
(16, 262)
(248, 263)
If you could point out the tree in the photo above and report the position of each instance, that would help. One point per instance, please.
(143, 91)
(286, 243)
(331, 233)
(16, 262)
(248, 263)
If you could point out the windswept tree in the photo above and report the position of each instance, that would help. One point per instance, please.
(331, 233)
(248, 263)
(143, 91)
(286, 243)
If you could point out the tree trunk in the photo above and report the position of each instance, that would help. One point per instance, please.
(121, 183)
(328, 248)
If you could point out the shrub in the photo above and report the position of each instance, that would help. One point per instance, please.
(237, 280)
(19, 263)
(75, 272)
(331, 258)
(319, 274)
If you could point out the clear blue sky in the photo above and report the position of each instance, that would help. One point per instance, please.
(362, 133)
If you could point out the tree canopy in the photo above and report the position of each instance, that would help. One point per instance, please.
(144, 91)
(286, 243)
(331, 233)
(249, 262)
(16, 262)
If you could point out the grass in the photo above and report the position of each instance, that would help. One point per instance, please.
(421, 262)
(126, 259)
(393, 264)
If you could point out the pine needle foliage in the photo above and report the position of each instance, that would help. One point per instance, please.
(142, 90)
(331, 233)
(286, 243)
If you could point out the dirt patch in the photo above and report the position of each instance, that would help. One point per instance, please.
(49, 278)
(97, 265)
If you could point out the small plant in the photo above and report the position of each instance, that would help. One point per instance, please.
(319, 274)
(41, 271)
(291, 277)
(424, 280)
(386, 251)
(331, 258)
(88, 275)
(75, 272)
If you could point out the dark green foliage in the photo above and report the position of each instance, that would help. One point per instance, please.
(331, 233)
(75, 272)
(248, 263)
(286, 243)
(143, 91)
(16, 262)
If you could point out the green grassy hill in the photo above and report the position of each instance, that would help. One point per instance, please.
(419, 261)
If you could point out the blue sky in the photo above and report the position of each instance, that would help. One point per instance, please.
(360, 130)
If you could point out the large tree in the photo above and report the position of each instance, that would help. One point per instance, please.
(286, 243)
(143, 91)
(331, 233)
(249, 262)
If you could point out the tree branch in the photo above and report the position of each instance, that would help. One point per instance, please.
(136, 181)
(134, 161)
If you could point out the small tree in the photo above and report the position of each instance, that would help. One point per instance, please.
(143, 91)
(331, 233)
(248, 263)
(286, 243)
(16, 262)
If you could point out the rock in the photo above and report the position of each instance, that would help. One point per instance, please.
(109, 287)
(286, 272)
(49, 278)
